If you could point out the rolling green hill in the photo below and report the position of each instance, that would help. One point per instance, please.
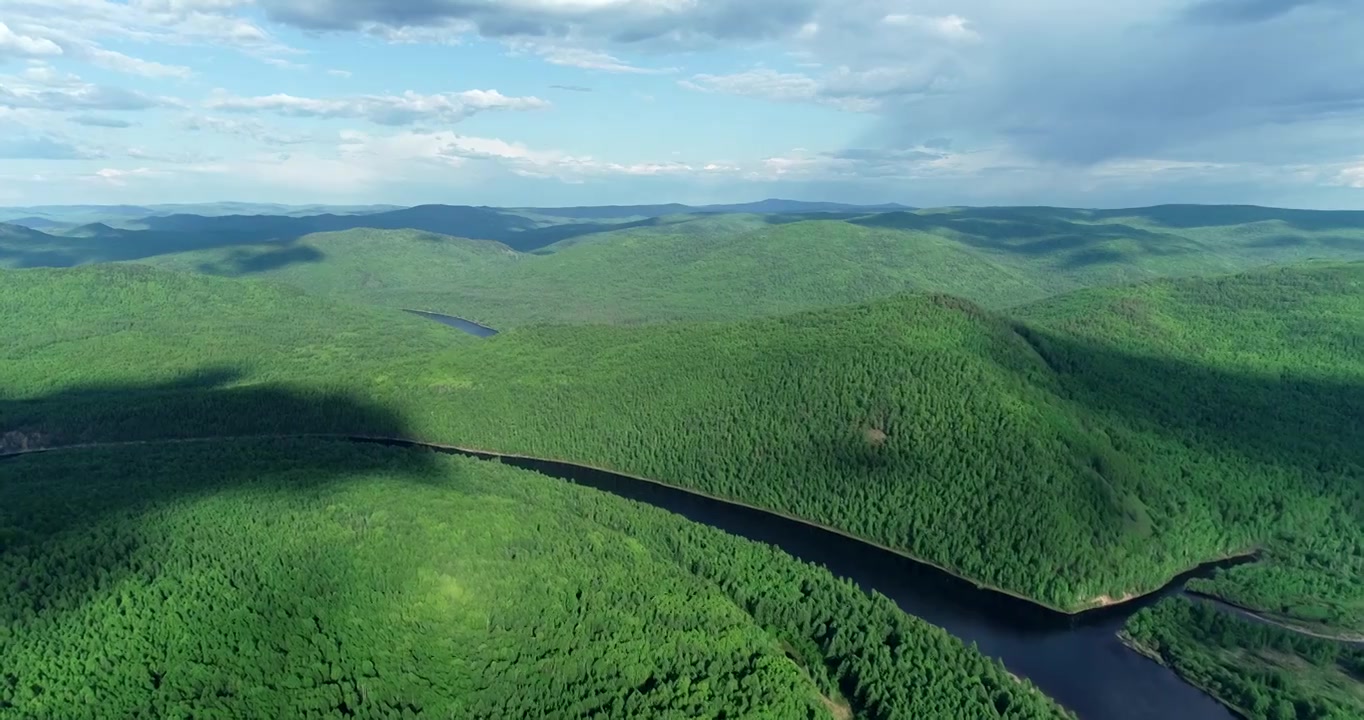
(1089, 448)
(738, 266)
(293, 578)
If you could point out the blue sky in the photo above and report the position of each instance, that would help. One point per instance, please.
(546, 102)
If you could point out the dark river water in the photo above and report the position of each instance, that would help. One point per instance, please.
(1078, 660)
(459, 323)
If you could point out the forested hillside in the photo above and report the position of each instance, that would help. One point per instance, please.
(1265, 672)
(521, 267)
(323, 579)
(739, 266)
(1089, 451)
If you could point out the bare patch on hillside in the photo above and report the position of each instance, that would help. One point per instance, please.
(875, 437)
(840, 710)
(1106, 600)
(16, 441)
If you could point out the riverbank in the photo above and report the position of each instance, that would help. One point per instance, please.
(1136, 646)
(1101, 604)
(1261, 616)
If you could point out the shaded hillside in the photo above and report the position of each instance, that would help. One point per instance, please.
(1079, 456)
(1296, 338)
(272, 578)
(481, 223)
(383, 267)
(705, 267)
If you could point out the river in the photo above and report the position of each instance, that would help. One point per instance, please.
(1078, 660)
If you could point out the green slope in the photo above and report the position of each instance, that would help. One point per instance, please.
(738, 266)
(1270, 365)
(1087, 452)
(322, 579)
(1264, 672)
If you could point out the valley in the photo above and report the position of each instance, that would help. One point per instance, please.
(1075, 441)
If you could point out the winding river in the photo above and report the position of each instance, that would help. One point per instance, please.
(1078, 660)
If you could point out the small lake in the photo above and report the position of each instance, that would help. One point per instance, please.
(459, 323)
(1077, 660)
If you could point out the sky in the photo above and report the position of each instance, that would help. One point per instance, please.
(1080, 103)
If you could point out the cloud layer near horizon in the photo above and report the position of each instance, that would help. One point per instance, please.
(977, 100)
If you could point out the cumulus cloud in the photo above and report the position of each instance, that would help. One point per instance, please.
(83, 23)
(404, 109)
(13, 44)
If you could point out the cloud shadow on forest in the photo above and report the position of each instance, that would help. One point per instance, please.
(49, 500)
(1308, 424)
(280, 234)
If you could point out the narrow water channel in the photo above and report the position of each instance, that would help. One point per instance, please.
(1078, 660)
(459, 323)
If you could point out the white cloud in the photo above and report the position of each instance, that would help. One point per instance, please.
(14, 44)
(403, 109)
(451, 149)
(117, 61)
(40, 87)
(585, 59)
(451, 34)
(283, 63)
(784, 87)
(189, 23)
(176, 158)
(1351, 176)
(950, 27)
(339, 73)
(759, 82)
(251, 129)
(119, 178)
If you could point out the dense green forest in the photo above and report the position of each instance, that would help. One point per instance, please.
(1089, 448)
(1263, 671)
(307, 578)
(704, 267)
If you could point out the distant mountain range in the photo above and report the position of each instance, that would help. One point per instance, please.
(58, 217)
